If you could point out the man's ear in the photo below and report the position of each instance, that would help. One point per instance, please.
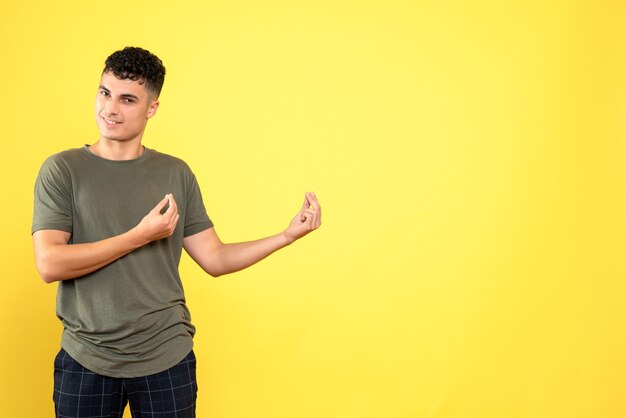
(152, 109)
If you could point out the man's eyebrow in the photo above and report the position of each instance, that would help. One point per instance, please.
(125, 95)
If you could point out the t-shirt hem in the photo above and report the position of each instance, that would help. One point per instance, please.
(182, 350)
(58, 227)
(194, 229)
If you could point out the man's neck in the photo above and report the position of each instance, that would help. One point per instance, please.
(117, 150)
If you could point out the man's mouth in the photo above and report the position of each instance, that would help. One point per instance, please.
(111, 122)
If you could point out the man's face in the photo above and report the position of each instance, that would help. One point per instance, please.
(123, 108)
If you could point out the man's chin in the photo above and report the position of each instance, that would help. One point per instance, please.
(114, 138)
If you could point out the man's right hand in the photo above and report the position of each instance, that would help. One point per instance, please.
(157, 225)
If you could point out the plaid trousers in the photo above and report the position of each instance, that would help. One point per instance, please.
(80, 393)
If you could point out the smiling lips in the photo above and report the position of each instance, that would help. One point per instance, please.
(111, 122)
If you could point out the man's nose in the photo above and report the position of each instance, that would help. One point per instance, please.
(111, 107)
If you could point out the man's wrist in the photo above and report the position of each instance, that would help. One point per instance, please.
(286, 239)
(136, 238)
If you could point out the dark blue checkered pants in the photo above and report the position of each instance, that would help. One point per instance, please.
(80, 393)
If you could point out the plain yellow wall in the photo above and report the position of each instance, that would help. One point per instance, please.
(469, 157)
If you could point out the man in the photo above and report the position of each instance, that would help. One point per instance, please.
(110, 221)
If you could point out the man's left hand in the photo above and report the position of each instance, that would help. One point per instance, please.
(308, 219)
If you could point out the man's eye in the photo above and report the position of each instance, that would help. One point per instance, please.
(104, 93)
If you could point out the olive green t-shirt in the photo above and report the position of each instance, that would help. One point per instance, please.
(129, 318)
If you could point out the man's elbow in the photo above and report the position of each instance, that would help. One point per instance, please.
(213, 267)
(46, 270)
(46, 275)
(213, 272)
(216, 270)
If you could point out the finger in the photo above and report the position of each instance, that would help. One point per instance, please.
(169, 214)
(313, 200)
(313, 203)
(305, 214)
(306, 203)
(318, 210)
(315, 223)
(315, 218)
(308, 216)
(170, 227)
(175, 222)
(159, 207)
(172, 209)
(173, 202)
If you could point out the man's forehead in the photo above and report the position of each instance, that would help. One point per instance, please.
(121, 86)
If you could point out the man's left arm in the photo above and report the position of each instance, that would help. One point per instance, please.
(217, 258)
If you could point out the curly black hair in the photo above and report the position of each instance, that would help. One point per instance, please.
(137, 64)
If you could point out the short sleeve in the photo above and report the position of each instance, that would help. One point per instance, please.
(196, 218)
(53, 197)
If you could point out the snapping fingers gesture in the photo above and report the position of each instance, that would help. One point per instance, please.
(160, 223)
(308, 219)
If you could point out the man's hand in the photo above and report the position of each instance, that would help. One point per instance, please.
(58, 260)
(308, 219)
(156, 225)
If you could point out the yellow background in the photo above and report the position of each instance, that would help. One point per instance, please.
(469, 157)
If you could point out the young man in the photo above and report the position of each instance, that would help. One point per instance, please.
(110, 221)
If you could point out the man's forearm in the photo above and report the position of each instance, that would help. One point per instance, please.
(57, 260)
(60, 261)
(218, 259)
(237, 256)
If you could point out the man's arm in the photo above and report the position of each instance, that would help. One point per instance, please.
(217, 258)
(57, 260)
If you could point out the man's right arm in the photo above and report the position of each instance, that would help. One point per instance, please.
(57, 260)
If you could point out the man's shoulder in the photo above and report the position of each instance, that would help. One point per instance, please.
(168, 159)
(62, 160)
(68, 153)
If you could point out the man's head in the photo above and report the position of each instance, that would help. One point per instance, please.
(137, 64)
(128, 94)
